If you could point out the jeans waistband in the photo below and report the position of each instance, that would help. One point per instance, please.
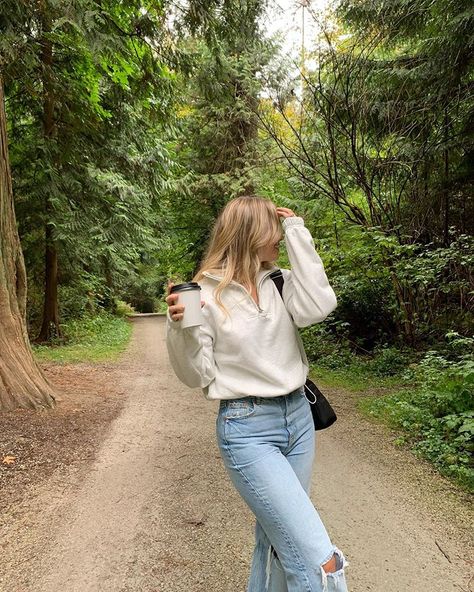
(256, 399)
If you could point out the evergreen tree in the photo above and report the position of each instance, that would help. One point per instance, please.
(384, 132)
(88, 107)
(219, 149)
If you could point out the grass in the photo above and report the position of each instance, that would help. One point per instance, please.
(92, 339)
(355, 378)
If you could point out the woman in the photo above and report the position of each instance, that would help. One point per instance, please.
(248, 355)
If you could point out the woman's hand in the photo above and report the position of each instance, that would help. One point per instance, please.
(176, 310)
(285, 212)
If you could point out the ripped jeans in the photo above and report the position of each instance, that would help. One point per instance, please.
(267, 445)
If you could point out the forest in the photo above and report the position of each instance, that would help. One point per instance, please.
(126, 126)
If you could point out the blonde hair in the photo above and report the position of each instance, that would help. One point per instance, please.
(245, 225)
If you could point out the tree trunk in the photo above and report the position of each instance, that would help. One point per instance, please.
(50, 328)
(50, 325)
(405, 302)
(446, 180)
(22, 383)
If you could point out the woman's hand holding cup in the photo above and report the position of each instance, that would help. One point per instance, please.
(175, 309)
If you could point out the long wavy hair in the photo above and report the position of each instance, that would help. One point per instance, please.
(245, 225)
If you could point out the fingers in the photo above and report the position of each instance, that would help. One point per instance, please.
(171, 299)
(285, 212)
(176, 313)
(175, 309)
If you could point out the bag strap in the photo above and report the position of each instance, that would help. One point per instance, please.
(278, 280)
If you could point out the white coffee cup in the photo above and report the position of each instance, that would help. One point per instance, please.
(190, 298)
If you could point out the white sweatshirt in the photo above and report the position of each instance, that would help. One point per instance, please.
(257, 351)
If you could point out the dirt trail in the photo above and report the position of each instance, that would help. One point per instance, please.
(155, 510)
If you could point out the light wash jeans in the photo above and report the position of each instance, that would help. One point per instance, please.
(267, 445)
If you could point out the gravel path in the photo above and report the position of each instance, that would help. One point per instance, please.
(155, 510)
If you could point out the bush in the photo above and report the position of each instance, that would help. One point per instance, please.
(324, 347)
(144, 288)
(365, 307)
(123, 309)
(86, 296)
(328, 346)
(438, 414)
(160, 305)
(388, 361)
(75, 301)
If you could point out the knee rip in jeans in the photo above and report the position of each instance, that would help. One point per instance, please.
(333, 569)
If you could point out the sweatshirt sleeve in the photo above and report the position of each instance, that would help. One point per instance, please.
(190, 351)
(307, 294)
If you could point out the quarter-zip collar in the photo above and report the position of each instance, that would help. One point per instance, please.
(261, 275)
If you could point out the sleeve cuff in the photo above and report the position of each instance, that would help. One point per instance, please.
(292, 221)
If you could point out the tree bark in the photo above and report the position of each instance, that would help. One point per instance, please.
(446, 195)
(50, 328)
(405, 303)
(22, 384)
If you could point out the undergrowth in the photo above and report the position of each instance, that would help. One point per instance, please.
(89, 339)
(431, 400)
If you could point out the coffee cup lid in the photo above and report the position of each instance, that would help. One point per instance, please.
(185, 286)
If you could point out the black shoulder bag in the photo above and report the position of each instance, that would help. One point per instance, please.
(323, 414)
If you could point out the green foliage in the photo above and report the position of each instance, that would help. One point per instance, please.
(219, 147)
(328, 348)
(388, 361)
(371, 271)
(324, 346)
(80, 294)
(393, 159)
(123, 309)
(143, 288)
(90, 89)
(90, 339)
(366, 308)
(438, 416)
(436, 282)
